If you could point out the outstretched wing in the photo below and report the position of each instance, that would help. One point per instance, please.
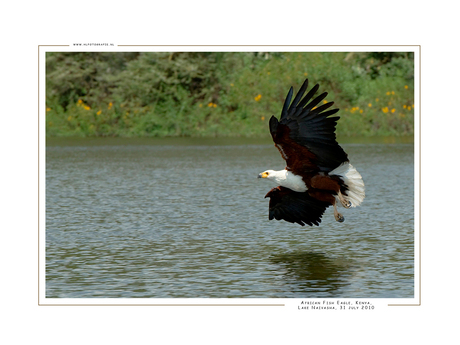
(295, 207)
(305, 135)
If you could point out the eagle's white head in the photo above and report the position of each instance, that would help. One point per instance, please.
(270, 175)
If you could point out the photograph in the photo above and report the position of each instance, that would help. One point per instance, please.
(261, 175)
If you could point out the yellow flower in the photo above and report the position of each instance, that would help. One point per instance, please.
(404, 106)
(110, 105)
(200, 105)
(214, 105)
(99, 112)
(305, 74)
(376, 99)
(392, 92)
(388, 93)
(210, 104)
(361, 111)
(268, 73)
(262, 118)
(385, 110)
(258, 97)
(406, 87)
(324, 101)
(48, 109)
(69, 118)
(87, 107)
(369, 105)
(232, 84)
(79, 101)
(408, 108)
(393, 110)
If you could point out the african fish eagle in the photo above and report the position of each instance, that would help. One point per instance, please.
(318, 173)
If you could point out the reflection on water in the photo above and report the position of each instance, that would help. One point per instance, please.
(314, 274)
(188, 218)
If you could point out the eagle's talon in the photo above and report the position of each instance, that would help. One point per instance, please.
(339, 217)
(345, 203)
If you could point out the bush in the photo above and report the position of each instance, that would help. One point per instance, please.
(221, 94)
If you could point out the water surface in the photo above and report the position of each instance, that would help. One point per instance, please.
(188, 219)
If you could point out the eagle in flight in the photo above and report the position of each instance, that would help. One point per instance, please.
(318, 173)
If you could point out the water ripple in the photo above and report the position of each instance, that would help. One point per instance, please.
(191, 221)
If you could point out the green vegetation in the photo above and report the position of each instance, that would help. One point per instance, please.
(200, 94)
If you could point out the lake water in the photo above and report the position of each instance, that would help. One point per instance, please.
(188, 219)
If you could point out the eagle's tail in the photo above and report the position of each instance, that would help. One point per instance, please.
(353, 182)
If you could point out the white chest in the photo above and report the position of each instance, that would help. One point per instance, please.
(289, 180)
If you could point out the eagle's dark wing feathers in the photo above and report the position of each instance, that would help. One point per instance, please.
(311, 130)
(295, 207)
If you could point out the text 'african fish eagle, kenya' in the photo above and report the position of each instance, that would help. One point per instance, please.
(318, 173)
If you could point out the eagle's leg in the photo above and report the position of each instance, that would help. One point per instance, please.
(327, 197)
(338, 216)
(345, 203)
(329, 183)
